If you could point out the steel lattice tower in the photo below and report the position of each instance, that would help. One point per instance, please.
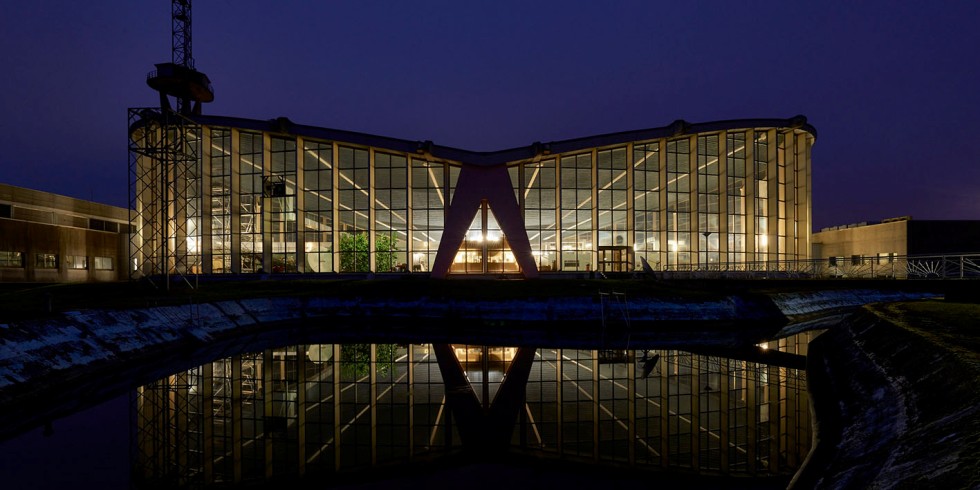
(165, 164)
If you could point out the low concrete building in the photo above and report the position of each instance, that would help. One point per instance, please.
(50, 238)
(898, 236)
(882, 244)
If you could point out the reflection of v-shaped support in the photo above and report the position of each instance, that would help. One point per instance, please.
(488, 430)
(473, 186)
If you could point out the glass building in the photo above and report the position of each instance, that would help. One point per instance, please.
(226, 195)
(328, 409)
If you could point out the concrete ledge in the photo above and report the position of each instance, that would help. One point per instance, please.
(893, 411)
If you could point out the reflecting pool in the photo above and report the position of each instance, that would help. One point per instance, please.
(315, 409)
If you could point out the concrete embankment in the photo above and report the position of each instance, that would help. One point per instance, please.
(894, 410)
(51, 366)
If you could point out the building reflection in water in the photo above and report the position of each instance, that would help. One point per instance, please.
(314, 409)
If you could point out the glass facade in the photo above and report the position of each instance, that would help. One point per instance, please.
(250, 225)
(722, 200)
(317, 208)
(332, 408)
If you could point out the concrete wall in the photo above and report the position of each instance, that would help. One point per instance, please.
(866, 241)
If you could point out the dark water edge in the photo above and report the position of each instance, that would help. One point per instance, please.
(88, 449)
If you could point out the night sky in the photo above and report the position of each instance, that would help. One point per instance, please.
(892, 87)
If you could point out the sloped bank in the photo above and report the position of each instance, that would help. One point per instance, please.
(894, 409)
(50, 367)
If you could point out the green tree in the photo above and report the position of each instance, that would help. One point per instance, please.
(354, 255)
(384, 249)
(355, 359)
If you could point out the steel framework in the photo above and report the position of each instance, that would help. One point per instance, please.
(165, 195)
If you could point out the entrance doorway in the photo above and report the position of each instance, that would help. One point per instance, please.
(614, 258)
(485, 249)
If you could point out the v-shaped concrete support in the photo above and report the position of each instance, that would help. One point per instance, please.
(485, 430)
(473, 186)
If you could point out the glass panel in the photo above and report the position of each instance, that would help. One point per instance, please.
(355, 210)
(429, 204)
(576, 213)
(318, 206)
(250, 212)
(709, 195)
(615, 252)
(391, 213)
(220, 201)
(540, 209)
(678, 205)
(736, 199)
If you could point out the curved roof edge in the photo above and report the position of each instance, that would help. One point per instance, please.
(485, 158)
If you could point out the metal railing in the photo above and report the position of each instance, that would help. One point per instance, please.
(959, 266)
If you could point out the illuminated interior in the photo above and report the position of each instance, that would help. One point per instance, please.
(728, 197)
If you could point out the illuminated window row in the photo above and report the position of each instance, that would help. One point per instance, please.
(728, 200)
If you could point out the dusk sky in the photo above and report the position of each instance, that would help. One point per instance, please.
(893, 87)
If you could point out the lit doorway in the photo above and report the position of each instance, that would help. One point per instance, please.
(485, 249)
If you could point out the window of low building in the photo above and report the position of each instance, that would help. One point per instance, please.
(46, 261)
(103, 263)
(77, 262)
(11, 259)
(886, 258)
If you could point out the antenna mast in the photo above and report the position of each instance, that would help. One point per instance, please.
(180, 78)
(165, 165)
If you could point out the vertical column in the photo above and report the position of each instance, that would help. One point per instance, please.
(558, 398)
(804, 181)
(750, 184)
(695, 412)
(631, 390)
(268, 389)
(372, 223)
(236, 413)
(789, 190)
(207, 416)
(301, 409)
(266, 206)
(182, 436)
(665, 359)
(411, 398)
(774, 383)
(558, 230)
(772, 213)
(373, 380)
(483, 268)
(335, 220)
(594, 252)
(336, 396)
(236, 203)
(664, 247)
(205, 241)
(723, 199)
(752, 414)
(630, 213)
(595, 384)
(410, 229)
(692, 177)
(300, 205)
(723, 422)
